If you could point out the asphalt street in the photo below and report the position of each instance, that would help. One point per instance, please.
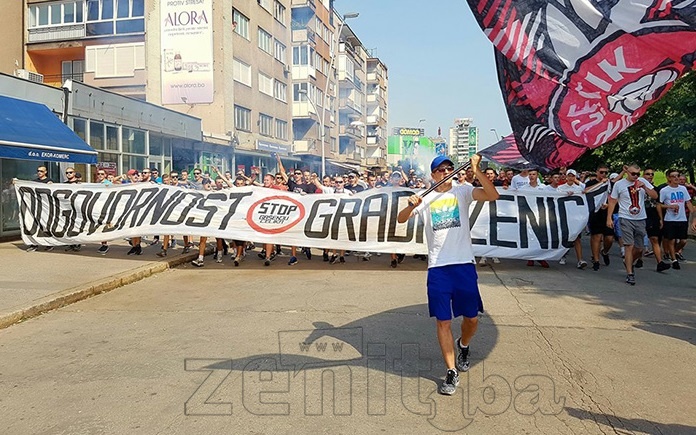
(349, 348)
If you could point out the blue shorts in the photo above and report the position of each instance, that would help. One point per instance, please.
(454, 289)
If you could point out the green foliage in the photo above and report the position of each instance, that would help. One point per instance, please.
(663, 138)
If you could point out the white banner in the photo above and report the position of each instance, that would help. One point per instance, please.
(187, 51)
(533, 225)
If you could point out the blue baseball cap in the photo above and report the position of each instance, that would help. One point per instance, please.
(437, 161)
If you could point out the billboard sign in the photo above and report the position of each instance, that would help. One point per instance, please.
(187, 51)
(409, 131)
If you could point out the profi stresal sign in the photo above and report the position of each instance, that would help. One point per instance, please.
(535, 225)
(186, 35)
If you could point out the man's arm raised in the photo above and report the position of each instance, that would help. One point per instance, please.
(487, 191)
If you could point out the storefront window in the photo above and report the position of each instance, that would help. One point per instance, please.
(80, 128)
(134, 162)
(23, 170)
(96, 135)
(111, 138)
(155, 145)
(133, 141)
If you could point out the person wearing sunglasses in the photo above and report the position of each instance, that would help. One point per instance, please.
(70, 177)
(338, 188)
(630, 194)
(452, 279)
(42, 175)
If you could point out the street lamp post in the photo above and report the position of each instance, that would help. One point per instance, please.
(322, 117)
(497, 137)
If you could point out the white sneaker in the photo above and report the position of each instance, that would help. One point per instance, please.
(483, 261)
(496, 260)
(582, 264)
(218, 258)
(562, 261)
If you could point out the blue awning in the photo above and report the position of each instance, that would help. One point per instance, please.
(30, 131)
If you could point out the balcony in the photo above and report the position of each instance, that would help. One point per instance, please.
(57, 33)
(376, 161)
(303, 33)
(353, 132)
(303, 72)
(303, 109)
(308, 146)
(348, 103)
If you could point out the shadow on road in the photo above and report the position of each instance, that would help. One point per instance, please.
(660, 303)
(631, 424)
(402, 339)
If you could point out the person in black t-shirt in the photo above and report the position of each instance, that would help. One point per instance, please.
(600, 233)
(353, 185)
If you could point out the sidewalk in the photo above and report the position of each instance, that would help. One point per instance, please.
(35, 282)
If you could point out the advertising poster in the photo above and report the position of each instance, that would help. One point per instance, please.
(187, 51)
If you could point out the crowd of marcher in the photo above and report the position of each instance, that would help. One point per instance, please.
(645, 220)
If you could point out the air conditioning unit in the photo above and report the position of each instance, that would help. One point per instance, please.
(287, 69)
(29, 75)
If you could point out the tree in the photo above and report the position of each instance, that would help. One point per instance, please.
(665, 137)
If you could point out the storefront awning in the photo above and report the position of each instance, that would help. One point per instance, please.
(344, 165)
(30, 131)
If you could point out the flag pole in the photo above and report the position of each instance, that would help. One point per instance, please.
(463, 167)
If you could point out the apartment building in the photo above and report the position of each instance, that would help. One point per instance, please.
(224, 63)
(352, 76)
(314, 82)
(463, 139)
(376, 113)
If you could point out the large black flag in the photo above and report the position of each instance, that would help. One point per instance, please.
(575, 74)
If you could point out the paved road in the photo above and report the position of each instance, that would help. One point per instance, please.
(350, 349)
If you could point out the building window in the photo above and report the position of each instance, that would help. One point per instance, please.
(134, 141)
(279, 51)
(80, 128)
(56, 14)
(242, 118)
(72, 69)
(303, 55)
(265, 125)
(280, 91)
(115, 17)
(241, 72)
(320, 97)
(265, 41)
(265, 84)
(241, 24)
(279, 12)
(96, 135)
(266, 4)
(281, 129)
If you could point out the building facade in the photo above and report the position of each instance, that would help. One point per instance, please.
(352, 77)
(376, 116)
(314, 43)
(264, 77)
(463, 141)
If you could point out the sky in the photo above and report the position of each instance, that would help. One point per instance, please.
(440, 64)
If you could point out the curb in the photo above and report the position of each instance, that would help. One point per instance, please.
(84, 291)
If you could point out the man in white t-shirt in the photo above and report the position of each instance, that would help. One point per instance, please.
(630, 193)
(534, 182)
(573, 186)
(674, 199)
(520, 180)
(452, 279)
